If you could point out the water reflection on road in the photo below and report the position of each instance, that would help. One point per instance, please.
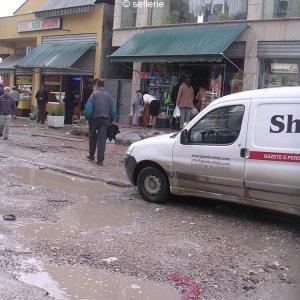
(76, 282)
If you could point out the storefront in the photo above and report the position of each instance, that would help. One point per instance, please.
(63, 48)
(207, 56)
(279, 64)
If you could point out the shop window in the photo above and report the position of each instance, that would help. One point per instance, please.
(220, 126)
(128, 16)
(278, 73)
(281, 9)
(197, 11)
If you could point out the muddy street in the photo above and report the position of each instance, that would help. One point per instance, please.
(82, 232)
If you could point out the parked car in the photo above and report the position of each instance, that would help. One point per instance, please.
(242, 148)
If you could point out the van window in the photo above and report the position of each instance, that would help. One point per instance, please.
(220, 126)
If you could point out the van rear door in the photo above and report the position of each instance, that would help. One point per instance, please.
(211, 160)
(272, 168)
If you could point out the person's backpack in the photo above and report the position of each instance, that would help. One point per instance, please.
(89, 108)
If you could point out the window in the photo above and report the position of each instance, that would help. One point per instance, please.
(128, 17)
(279, 72)
(273, 9)
(197, 11)
(220, 126)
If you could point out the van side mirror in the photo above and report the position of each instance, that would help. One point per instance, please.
(184, 137)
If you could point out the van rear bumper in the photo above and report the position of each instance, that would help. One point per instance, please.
(130, 165)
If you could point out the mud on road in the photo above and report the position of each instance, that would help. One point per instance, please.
(76, 237)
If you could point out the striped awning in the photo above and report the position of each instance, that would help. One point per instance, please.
(201, 43)
(53, 8)
(54, 56)
(7, 66)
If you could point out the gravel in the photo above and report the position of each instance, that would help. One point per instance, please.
(230, 251)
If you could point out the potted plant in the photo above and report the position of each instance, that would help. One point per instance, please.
(56, 116)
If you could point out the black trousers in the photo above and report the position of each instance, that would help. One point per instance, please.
(41, 113)
(97, 137)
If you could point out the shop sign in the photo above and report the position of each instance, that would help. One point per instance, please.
(39, 24)
(23, 79)
(284, 68)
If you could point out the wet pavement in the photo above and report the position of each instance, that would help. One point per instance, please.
(76, 282)
(73, 282)
(82, 232)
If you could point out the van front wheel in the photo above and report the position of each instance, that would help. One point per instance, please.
(153, 185)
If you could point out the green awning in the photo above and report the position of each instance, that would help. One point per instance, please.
(55, 56)
(201, 43)
(7, 66)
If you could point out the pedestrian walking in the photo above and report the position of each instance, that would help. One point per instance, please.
(103, 114)
(184, 101)
(15, 95)
(42, 99)
(137, 105)
(7, 110)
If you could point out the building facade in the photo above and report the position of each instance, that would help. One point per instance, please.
(225, 45)
(61, 44)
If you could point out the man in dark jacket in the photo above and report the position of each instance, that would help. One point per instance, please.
(174, 94)
(7, 110)
(103, 114)
(42, 99)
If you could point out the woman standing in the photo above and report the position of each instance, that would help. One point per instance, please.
(15, 95)
(137, 105)
(184, 101)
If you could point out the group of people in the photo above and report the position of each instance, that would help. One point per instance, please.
(103, 115)
(42, 99)
(182, 95)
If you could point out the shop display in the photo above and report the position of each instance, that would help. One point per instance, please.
(237, 82)
(24, 87)
(154, 84)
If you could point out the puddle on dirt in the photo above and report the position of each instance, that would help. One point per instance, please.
(78, 282)
(93, 212)
(56, 181)
(74, 282)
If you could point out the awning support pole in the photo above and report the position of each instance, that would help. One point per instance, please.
(132, 69)
(222, 54)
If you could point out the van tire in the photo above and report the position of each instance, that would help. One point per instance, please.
(153, 185)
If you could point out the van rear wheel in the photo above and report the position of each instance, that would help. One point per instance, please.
(153, 185)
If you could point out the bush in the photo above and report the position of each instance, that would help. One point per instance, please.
(56, 110)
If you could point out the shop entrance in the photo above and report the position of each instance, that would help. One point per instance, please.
(72, 90)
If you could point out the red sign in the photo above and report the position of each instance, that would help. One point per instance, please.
(274, 156)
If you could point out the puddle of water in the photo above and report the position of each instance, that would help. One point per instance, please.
(93, 214)
(60, 182)
(73, 282)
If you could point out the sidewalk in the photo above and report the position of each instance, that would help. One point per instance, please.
(57, 149)
(128, 134)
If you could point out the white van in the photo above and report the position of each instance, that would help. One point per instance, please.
(242, 148)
